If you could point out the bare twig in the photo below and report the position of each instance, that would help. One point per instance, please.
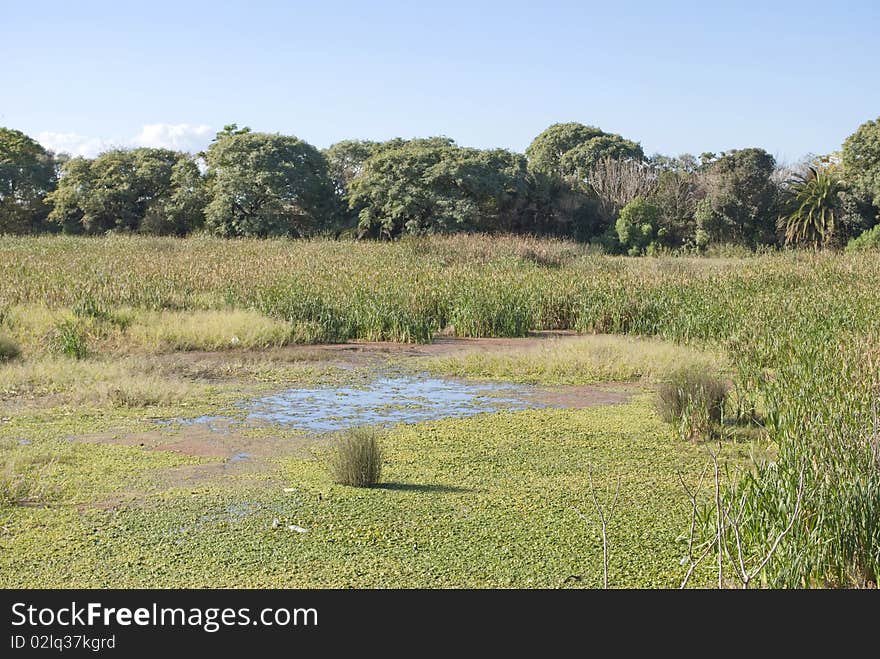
(604, 520)
(692, 495)
(617, 182)
(719, 517)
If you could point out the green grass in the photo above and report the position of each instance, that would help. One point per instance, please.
(488, 501)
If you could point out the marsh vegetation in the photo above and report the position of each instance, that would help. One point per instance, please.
(109, 346)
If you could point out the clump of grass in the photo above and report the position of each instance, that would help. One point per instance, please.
(8, 349)
(68, 339)
(694, 399)
(357, 458)
(24, 482)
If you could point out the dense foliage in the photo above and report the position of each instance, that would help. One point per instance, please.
(436, 186)
(267, 185)
(573, 181)
(740, 200)
(869, 239)
(150, 190)
(861, 160)
(27, 174)
(637, 226)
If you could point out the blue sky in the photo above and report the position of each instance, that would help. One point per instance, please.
(792, 77)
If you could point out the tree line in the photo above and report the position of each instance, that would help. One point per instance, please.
(573, 181)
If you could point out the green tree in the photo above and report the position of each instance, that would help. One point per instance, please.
(546, 151)
(265, 184)
(638, 227)
(27, 175)
(432, 185)
(813, 207)
(585, 156)
(861, 170)
(149, 190)
(183, 209)
(741, 199)
(562, 160)
(571, 149)
(345, 161)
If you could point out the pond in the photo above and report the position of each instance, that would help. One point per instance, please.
(385, 401)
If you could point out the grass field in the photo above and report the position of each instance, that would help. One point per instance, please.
(102, 339)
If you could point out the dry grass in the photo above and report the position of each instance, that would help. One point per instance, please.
(580, 360)
(693, 399)
(129, 382)
(170, 331)
(42, 330)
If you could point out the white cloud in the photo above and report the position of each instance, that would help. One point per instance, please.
(180, 137)
(73, 143)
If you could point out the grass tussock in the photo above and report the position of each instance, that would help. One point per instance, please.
(580, 360)
(693, 399)
(8, 349)
(25, 477)
(68, 339)
(357, 458)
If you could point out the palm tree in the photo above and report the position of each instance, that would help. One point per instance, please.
(814, 208)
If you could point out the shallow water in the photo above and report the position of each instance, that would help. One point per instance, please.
(385, 401)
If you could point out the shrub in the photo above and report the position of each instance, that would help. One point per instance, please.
(357, 458)
(67, 339)
(869, 239)
(694, 399)
(8, 349)
(638, 226)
